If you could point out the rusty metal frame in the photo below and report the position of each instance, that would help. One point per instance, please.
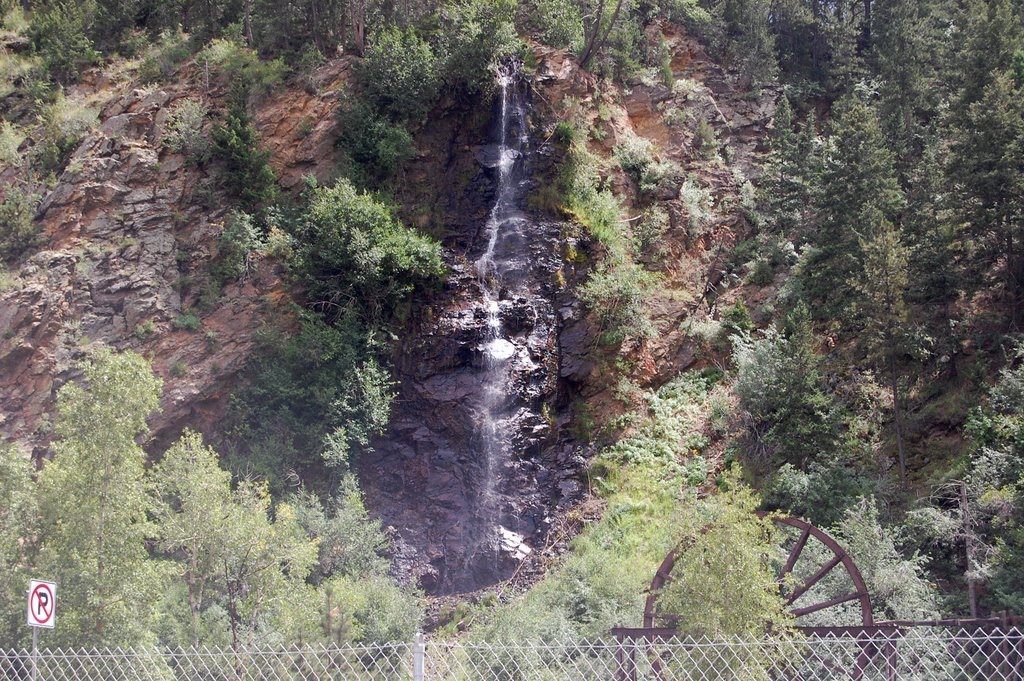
(869, 633)
(839, 557)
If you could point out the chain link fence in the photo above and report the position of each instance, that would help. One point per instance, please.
(918, 654)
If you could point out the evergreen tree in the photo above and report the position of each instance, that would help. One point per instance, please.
(94, 502)
(247, 171)
(780, 386)
(751, 43)
(986, 169)
(907, 49)
(934, 284)
(882, 286)
(59, 34)
(989, 33)
(785, 187)
(857, 193)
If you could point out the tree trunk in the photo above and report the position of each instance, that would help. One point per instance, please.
(894, 385)
(585, 55)
(865, 35)
(970, 548)
(247, 22)
(608, 31)
(359, 26)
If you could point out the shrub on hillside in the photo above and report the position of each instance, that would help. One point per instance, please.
(479, 35)
(400, 74)
(247, 172)
(355, 252)
(58, 32)
(241, 67)
(556, 22)
(375, 148)
(618, 294)
(186, 133)
(18, 231)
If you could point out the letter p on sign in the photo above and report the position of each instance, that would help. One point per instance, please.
(42, 603)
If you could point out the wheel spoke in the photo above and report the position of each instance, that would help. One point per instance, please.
(825, 569)
(838, 600)
(794, 555)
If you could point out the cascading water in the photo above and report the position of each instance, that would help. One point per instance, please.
(472, 470)
(504, 225)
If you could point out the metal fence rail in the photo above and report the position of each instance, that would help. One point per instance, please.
(918, 654)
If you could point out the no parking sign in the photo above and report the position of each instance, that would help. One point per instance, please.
(42, 603)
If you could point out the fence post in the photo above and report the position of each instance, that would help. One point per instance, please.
(419, 651)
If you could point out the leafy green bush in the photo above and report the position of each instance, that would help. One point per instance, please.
(185, 133)
(558, 23)
(585, 198)
(478, 35)
(780, 386)
(189, 322)
(350, 543)
(722, 536)
(375, 148)
(355, 253)
(242, 68)
(821, 493)
(736, 319)
(18, 231)
(65, 123)
(649, 232)
(705, 139)
(322, 381)
(373, 610)
(164, 56)
(236, 242)
(761, 274)
(697, 201)
(247, 172)
(10, 140)
(618, 294)
(635, 156)
(18, 519)
(58, 32)
(400, 74)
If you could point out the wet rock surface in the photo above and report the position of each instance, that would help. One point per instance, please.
(464, 514)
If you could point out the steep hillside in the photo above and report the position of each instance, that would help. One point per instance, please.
(501, 301)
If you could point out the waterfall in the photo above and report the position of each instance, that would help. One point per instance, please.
(495, 267)
(470, 474)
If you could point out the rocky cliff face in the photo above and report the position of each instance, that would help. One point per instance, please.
(129, 230)
(428, 473)
(473, 468)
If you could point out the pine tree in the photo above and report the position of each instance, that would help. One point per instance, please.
(857, 192)
(907, 50)
(94, 503)
(928, 233)
(751, 42)
(247, 171)
(779, 382)
(791, 171)
(989, 33)
(986, 169)
(882, 285)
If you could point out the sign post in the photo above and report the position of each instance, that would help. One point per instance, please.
(42, 614)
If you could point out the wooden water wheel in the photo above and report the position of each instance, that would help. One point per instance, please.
(791, 594)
